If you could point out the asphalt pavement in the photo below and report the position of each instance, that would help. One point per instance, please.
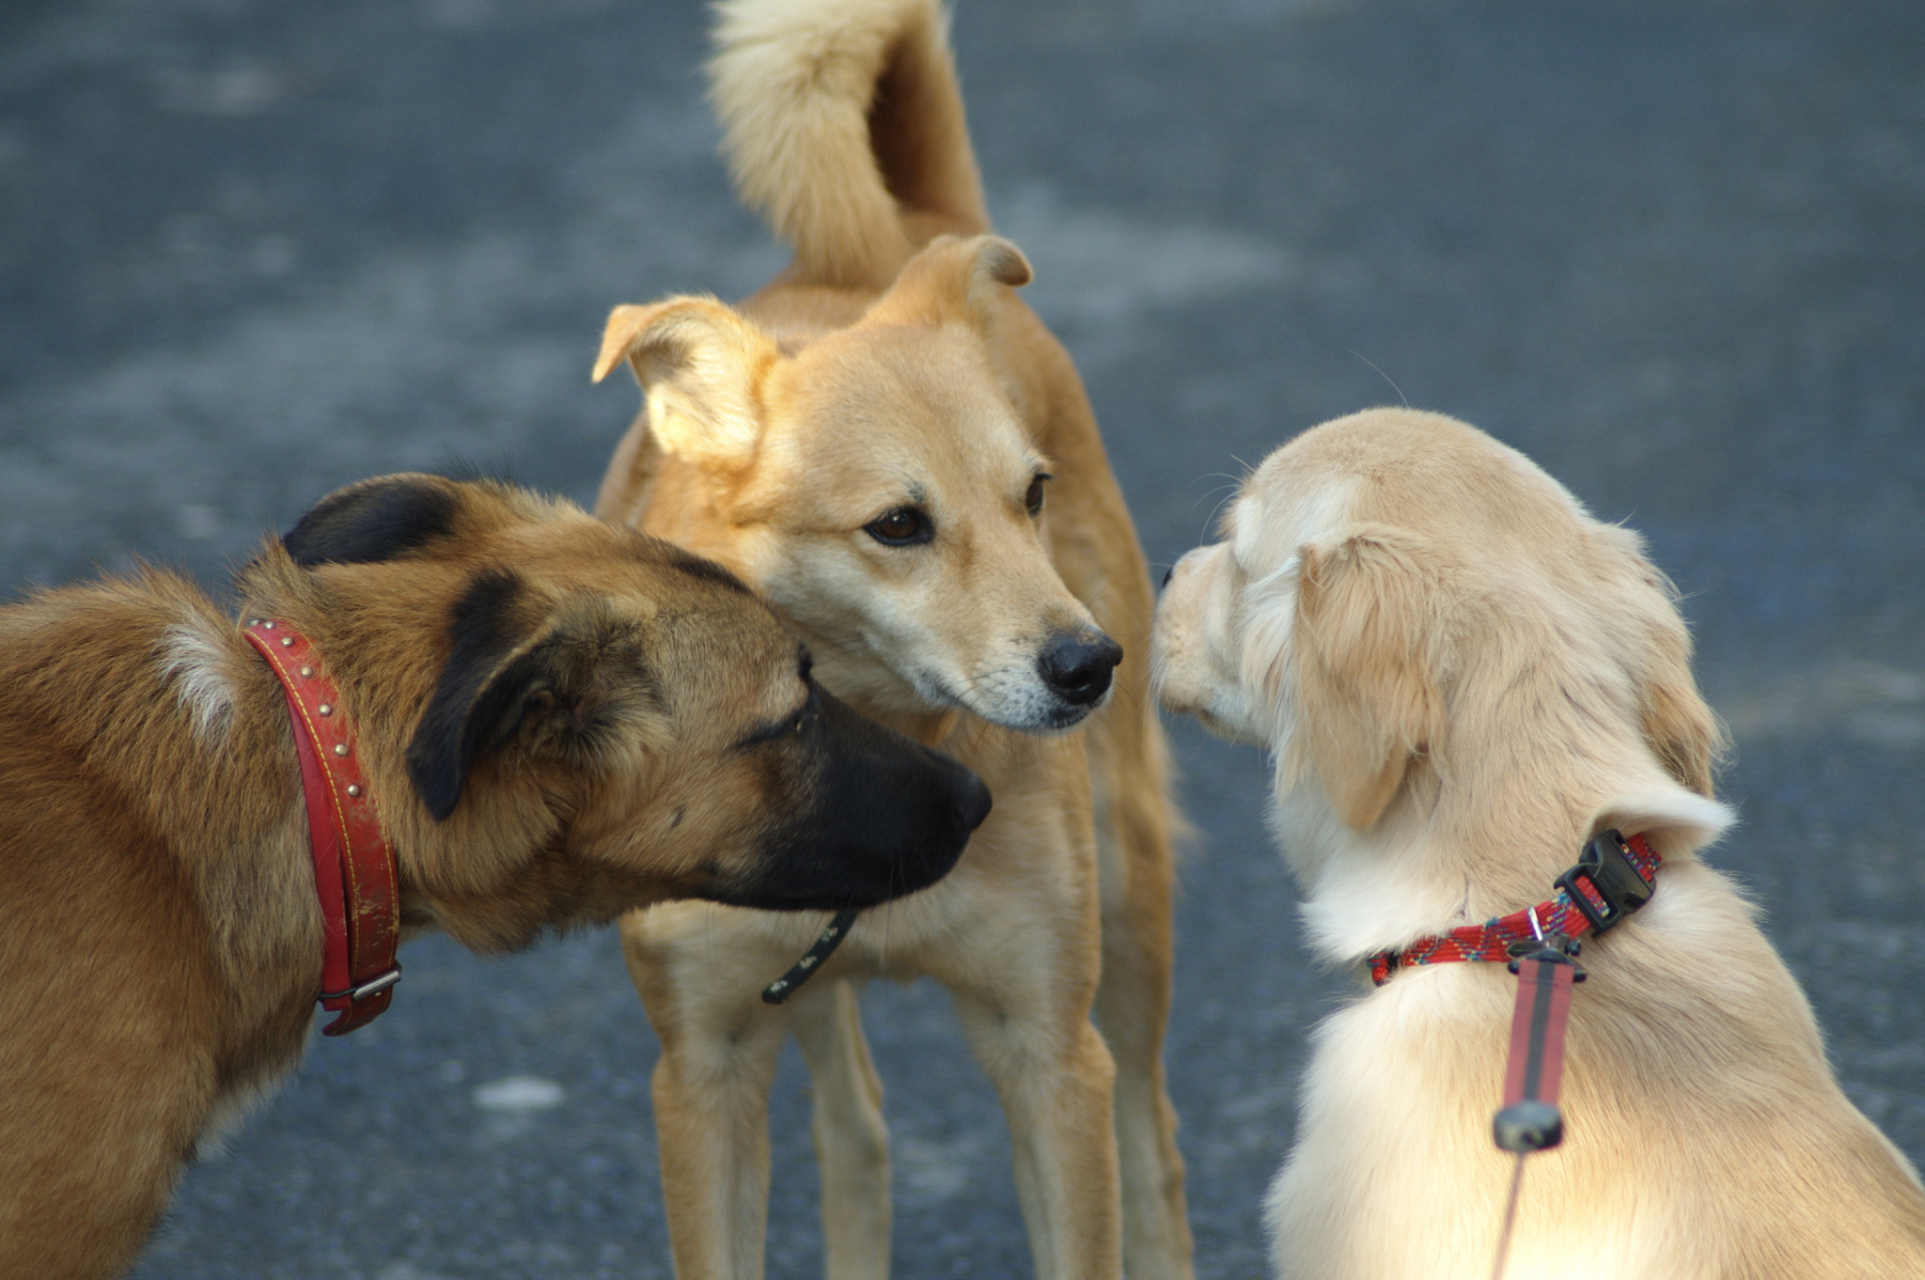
(1672, 249)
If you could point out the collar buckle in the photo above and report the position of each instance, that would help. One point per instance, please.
(373, 986)
(1605, 885)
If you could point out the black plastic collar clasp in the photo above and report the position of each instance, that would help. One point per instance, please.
(1606, 866)
(1552, 948)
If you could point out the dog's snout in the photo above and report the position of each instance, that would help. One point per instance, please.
(1077, 666)
(973, 799)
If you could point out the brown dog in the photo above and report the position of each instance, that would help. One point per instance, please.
(1464, 678)
(888, 443)
(557, 718)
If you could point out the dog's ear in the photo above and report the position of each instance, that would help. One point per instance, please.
(513, 669)
(1680, 728)
(1368, 703)
(375, 520)
(701, 364)
(954, 279)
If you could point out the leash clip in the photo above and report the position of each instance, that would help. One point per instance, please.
(1550, 948)
(1615, 886)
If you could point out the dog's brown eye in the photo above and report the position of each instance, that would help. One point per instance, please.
(1033, 500)
(903, 527)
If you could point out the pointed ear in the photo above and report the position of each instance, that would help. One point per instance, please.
(954, 279)
(510, 673)
(1368, 702)
(702, 365)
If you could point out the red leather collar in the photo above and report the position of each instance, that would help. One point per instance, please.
(353, 863)
(1562, 914)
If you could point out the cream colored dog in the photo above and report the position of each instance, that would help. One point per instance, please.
(1464, 677)
(888, 443)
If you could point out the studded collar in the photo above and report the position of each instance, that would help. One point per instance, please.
(354, 871)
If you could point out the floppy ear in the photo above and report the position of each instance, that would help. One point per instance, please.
(954, 279)
(701, 365)
(507, 667)
(1679, 727)
(1368, 702)
(374, 520)
(1681, 730)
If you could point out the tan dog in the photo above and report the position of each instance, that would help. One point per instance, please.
(558, 720)
(1464, 677)
(890, 444)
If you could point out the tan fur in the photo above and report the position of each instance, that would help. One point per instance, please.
(1464, 677)
(892, 365)
(160, 937)
(843, 127)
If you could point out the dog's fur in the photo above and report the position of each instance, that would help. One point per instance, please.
(892, 367)
(1464, 677)
(558, 718)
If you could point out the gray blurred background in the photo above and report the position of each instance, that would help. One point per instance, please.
(1672, 249)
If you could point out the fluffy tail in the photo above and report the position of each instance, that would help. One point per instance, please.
(843, 126)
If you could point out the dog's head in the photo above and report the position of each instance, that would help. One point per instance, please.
(1408, 612)
(880, 484)
(569, 719)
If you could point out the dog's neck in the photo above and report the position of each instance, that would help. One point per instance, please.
(1468, 849)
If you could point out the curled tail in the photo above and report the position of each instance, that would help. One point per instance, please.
(843, 126)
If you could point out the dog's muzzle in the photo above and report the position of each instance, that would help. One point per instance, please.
(1077, 666)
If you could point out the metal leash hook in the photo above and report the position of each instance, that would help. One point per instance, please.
(1530, 1120)
(831, 938)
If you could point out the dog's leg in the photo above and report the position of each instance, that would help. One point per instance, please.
(711, 1093)
(1132, 1008)
(1128, 778)
(711, 1097)
(851, 1140)
(1057, 1084)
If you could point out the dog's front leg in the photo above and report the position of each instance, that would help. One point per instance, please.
(711, 1092)
(851, 1140)
(1057, 1082)
(1132, 1008)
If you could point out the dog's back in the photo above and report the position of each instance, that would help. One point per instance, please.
(111, 993)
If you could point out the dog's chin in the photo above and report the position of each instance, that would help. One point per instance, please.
(1218, 727)
(1045, 714)
(1039, 713)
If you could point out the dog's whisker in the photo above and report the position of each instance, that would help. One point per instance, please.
(1386, 377)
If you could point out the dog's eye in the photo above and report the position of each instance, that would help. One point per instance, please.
(903, 527)
(1033, 500)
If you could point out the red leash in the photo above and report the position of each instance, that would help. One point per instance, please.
(1612, 879)
(354, 870)
(1529, 1120)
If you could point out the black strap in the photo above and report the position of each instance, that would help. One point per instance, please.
(784, 987)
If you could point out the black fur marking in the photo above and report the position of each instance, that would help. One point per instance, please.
(373, 522)
(706, 570)
(478, 703)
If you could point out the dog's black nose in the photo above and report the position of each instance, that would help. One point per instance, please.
(1168, 574)
(1077, 666)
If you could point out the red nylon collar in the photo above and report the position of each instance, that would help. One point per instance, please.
(1492, 939)
(354, 870)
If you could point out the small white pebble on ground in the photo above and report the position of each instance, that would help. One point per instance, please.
(519, 1093)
